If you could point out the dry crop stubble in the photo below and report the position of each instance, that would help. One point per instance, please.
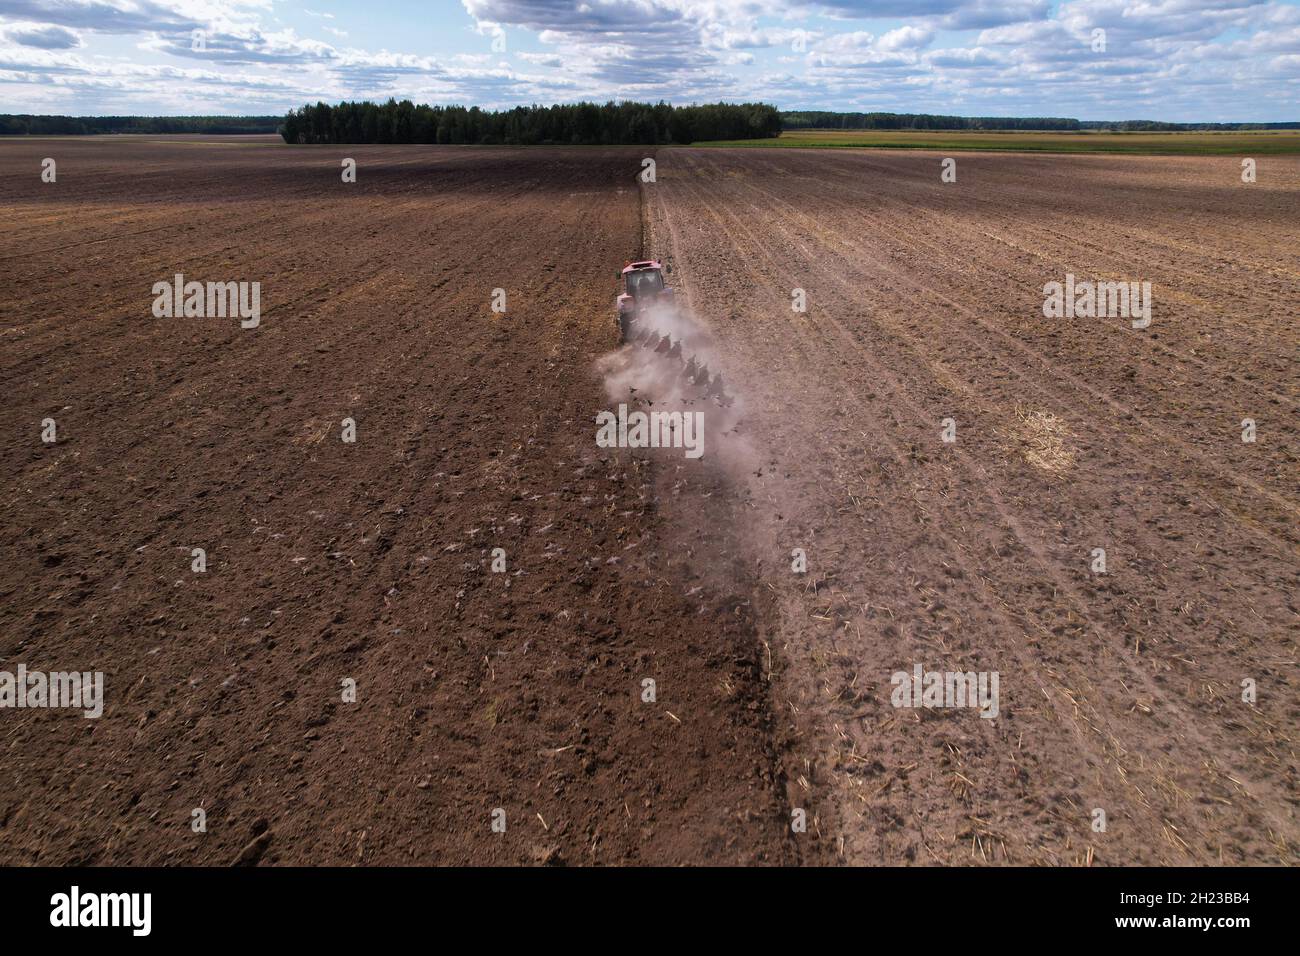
(1122, 690)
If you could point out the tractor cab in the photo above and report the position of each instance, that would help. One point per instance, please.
(641, 285)
(645, 282)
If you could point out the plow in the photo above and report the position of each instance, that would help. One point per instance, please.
(648, 318)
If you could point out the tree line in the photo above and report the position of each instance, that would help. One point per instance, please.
(25, 124)
(1155, 126)
(579, 124)
(822, 119)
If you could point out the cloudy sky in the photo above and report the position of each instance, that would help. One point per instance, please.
(1220, 60)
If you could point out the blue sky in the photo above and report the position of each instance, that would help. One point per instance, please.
(1184, 60)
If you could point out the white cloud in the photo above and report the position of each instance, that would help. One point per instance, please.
(1189, 59)
(906, 38)
(43, 36)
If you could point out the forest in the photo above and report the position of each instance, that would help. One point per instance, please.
(589, 124)
(25, 124)
(822, 119)
(567, 124)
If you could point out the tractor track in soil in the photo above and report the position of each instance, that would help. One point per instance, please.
(327, 560)
(1121, 691)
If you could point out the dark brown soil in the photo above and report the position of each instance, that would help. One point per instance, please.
(522, 690)
(476, 690)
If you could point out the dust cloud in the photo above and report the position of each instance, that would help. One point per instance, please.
(670, 364)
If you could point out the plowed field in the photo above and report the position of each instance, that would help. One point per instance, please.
(1120, 691)
(476, 691)
(520, 694)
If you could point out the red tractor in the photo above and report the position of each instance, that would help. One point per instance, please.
(648, 317)
(641, 287)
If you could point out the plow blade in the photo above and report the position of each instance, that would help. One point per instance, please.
(694, 376)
